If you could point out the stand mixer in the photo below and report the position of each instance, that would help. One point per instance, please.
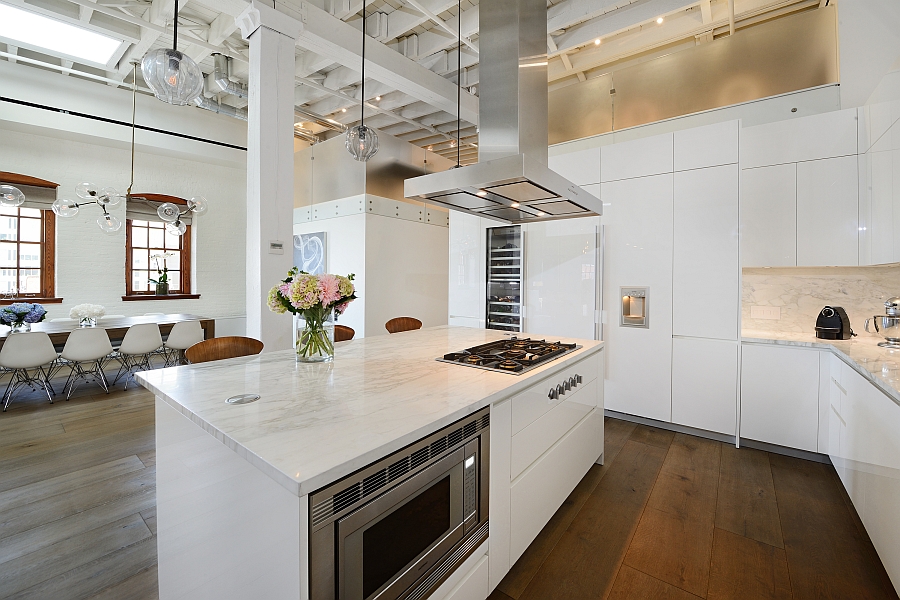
(888, 325)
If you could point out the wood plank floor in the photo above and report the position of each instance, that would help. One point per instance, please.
(672, 516)
(667, 516)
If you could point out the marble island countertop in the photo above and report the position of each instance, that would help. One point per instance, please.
(881, 366)
(315, 423)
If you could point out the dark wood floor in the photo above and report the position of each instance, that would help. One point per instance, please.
(672, 516)
(667, 516)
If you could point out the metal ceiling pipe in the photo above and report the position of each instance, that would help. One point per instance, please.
(730, 17)
(220, 78)
(219, 108)
(322, 121)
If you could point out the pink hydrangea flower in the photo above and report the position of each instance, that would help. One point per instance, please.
(329, 289)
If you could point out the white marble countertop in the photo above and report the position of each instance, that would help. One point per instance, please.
(316, 423)
(881, 366)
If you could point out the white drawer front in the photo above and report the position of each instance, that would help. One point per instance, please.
(536, 438)
(541, 490)
(528, 406)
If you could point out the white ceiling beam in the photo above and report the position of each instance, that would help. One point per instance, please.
(571, 12)
(706, 11)
(454, 30)
(432, 41)
(219, 30)
(159, 12)
(404, 20)
(642, 11)
(12, 51)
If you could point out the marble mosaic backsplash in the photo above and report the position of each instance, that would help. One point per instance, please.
(801, 292)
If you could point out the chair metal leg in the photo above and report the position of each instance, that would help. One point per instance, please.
(7, 395)
(21, 377)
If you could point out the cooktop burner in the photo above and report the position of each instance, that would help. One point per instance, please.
(514, 355)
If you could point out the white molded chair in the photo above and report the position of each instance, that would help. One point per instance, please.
(183, 335)
(139, 343)
(22, 352)
(87, 345)
(62, 320)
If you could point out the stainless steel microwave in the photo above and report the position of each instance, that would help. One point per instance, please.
(396, 529)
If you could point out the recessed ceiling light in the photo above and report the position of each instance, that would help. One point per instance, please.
(659, 21)
(540, 214)
(43, 33)
(430, 147)
(597, 42)
(481, 193)
(377, 98)
(343, 110)
(515, 205)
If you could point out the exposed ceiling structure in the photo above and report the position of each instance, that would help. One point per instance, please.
(412, 54)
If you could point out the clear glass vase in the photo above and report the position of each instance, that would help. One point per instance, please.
(88, 322)
(23, 327)
(314, 336)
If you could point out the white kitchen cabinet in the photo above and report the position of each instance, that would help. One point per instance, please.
(705, 384)
(708, 146)
(880, 206)
(637, 158)
(561, 285)
(815, 137)
(706, 271)
(828, 212)
(581, 167)
(468, 582)
(780, 396)
(467, 263)
(638, 218)
(769, 216)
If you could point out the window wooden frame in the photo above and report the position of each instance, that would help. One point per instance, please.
(47, 294)
(186, 283)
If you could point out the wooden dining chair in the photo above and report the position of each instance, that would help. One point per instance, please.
(221, 348)
(398, 324)
(342, 333)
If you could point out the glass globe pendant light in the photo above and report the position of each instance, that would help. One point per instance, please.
(171, 214)
(362, 141)
(173, 76)
(11, 196)
(67, 208)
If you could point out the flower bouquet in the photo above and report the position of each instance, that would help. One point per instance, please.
(316, 300)
(87, 314)
(20, 315)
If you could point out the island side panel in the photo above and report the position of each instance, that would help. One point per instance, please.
(226, 531)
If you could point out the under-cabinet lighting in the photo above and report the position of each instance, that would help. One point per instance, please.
(29, 29)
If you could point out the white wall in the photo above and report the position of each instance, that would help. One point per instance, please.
(90, 265)
(869, 33)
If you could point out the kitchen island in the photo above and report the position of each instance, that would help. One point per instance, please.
(234, 479)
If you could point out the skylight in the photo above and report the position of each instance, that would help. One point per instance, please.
(43, 33)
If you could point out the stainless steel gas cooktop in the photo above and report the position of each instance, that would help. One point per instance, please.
(514, 355)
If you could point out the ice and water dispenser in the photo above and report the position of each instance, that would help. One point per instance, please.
(635, 307)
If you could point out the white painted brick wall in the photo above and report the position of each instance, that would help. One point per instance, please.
(90, 265)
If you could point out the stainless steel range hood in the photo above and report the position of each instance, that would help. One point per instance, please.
(511, 182)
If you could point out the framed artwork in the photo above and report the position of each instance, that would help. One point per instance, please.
(309, 252)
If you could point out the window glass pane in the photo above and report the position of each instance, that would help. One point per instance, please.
(139, 281)
(174, 281)
(173, 242)
(139, 259)
(139, 223)
(7, 254)
(30, 281)
(156, 238)
(156, 224)
(30, 212)
(174, 261)
(8, 228)
(8, 281)
(5, 210)
(139, 237)
(30, 230)
(30, 255)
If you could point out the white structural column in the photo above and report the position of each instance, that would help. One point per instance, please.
(270, 165)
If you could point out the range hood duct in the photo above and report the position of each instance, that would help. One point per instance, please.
(511, 182)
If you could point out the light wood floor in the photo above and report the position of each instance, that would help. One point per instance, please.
(678, 517)
(668, 516)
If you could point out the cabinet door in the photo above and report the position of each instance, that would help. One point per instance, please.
(780, 396)
(467, 260)
(828, 212)
(637, 158)
(704, 384)
(706, 288)
(769, 216)
(581, 167)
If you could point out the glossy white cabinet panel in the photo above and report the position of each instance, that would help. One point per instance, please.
(880, 208)
(769, 216)
(534, 440)
(706, 277)
(707, 146)
(469, 581)
(561, 284)
(637, 158)
(638, 216)
(819, 136)
(541, 489)
(828, 212)
(501, 437)
(705, 384)
(467, 264)
(581, 167)
(226, 529)
(780, 396)
(528, 406)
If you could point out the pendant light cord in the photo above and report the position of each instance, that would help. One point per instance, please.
(458, 77)
(133, 100)
(175, 27)
(362, 103)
